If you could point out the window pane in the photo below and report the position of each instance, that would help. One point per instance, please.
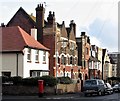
(29, 54)
(62, 59)
(37, 58)
(37, 55)
(33, 74)
(44, 55)
(70, 60)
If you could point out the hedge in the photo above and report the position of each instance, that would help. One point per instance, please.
(32, 81)
(64, 80)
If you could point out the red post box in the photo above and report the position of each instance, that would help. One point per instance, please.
(41, 88)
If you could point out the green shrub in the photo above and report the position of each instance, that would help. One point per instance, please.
(6, 79)
(16, 80)
(49, 80)
(64, 80)
(31, 81)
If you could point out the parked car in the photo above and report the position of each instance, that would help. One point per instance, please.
(94, 86)
(109, 89)
(116, 88)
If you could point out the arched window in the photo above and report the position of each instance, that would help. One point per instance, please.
(68, 60)
(63, 60)
(75, 61)
(71, 60)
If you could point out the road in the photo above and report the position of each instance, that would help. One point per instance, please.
(65, 97)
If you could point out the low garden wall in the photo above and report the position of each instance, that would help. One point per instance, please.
(69, 88)
(33, 90)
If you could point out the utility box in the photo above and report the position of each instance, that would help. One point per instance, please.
(40, 87)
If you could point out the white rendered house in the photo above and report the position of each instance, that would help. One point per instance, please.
(22, 55)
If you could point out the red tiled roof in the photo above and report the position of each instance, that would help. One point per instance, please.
(15, 39)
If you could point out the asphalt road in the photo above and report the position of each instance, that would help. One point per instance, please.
(64, 97)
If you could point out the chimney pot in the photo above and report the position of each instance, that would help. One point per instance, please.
(49, 12)
(2, 25)
(82, 33)
(53, 14)
(72, 21)
(38, 5)
(63, 22)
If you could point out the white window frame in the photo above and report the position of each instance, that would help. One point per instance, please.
(36, 55)
(44, 56)
(29, 54)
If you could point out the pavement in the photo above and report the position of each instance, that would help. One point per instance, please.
(57, 96)
(62, 97)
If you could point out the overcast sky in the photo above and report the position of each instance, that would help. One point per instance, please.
(98, 18)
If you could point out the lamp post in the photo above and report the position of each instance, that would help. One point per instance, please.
(57, 55)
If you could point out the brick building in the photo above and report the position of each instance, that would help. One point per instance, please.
(115, 57)
(83, 43)
(95, 62)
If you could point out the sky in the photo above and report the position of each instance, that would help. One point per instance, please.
(98, 18)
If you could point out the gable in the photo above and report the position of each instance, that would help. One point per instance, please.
(72, 35)
(63, 32)
(22, 19)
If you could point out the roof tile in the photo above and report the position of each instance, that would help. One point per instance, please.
(15, 39)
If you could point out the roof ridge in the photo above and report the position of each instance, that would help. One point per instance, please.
(72, 35)
(24, 34)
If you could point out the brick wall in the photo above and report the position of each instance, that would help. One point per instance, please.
(69, 88)
(33, 90)
(20, 19)
(49, 42)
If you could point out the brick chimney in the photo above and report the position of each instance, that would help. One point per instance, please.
(72, 24)
(40, 22)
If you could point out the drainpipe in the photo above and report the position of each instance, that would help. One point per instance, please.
(16, 64)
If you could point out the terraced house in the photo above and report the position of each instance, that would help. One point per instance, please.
(83, 43)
